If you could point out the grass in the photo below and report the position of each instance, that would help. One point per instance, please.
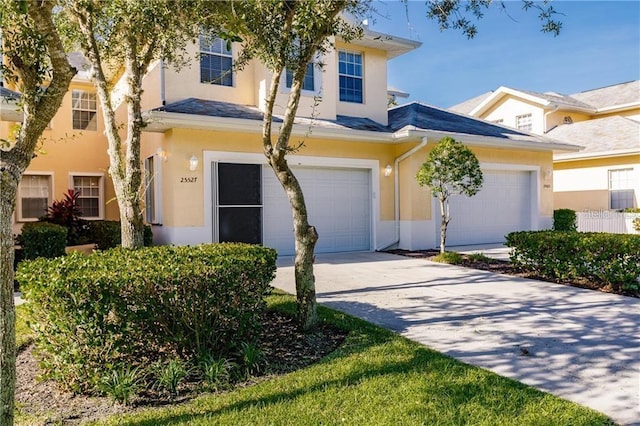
(24, 335)
(450, 257)
(376, 378)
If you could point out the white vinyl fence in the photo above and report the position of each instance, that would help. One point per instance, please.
(606, 221)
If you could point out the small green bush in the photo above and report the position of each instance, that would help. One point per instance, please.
(106, 234)
(93, 312)
(450, 257)
(122, 383)
(636, 224)
(564, 220)
(215, 372)
(607, 260)
(43, 239)
(171, 374)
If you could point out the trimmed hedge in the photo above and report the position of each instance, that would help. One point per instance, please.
(43, 239)
(565, 220)
(607, 260)
(127, 307)
(106, 234)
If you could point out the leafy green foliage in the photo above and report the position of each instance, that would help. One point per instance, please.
(106, 234)
(564, 220)
(611, 261)
(43, 239)
(65, 212)
(636, 224)
(479, 257)
(450, 257)
(171, 374)
(122, 383)
(252, 357)
(215, 372)
(91, 313)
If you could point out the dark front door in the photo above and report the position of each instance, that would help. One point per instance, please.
(239, 205)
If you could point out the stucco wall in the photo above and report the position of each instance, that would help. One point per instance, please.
(508, 108)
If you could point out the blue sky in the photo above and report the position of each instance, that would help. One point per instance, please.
(599, 45)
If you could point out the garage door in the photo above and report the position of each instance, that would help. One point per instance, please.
(502, 206)
(339, 206)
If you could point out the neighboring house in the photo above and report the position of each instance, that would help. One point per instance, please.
(605, 175)
(207, 179)
(72, 155)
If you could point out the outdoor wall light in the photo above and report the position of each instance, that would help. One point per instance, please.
(161, 153)
(547, 174)
(388, 170)
(193, 163)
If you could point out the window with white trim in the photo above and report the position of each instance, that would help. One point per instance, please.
(216, 61)
(152, 190)
(84, 110)
(524, 122)
(90, 198)
(308, 83)
(621, 192)
(34, 197)
(350, 76)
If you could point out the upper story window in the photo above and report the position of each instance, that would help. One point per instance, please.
(33, 197)
(84, 109)
(350, 76)
(309, 79)
(524, 122)
(498, 121)
(621, 191)
(216, 62)
(90, 198)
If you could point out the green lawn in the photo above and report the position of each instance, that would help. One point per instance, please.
(24, 337)
(376, 378)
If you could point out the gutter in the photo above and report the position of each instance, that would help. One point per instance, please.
(546, 114)
(396, 192)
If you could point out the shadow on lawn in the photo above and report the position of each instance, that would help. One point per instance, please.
(441, 377)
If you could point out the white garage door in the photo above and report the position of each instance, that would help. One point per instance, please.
(502, 206)
(338, 203)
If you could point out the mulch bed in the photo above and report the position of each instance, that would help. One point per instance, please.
(285, 348)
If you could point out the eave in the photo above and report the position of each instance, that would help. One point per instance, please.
(560, 158)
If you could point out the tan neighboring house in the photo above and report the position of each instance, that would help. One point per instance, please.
(207, 179)
(605, 174)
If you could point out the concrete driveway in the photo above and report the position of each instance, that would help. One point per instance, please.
(581, 345)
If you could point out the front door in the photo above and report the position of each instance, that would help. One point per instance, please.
(239, 203)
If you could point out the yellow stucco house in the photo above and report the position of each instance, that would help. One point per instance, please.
(603, 176)
(207, 179)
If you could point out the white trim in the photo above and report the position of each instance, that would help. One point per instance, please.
(210, 157)
(598, 154)
(101, 196)
(221, 54)
(362, 72)
(620, 107)
(18, 210)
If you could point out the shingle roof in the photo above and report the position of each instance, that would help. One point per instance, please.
(557, 98)
(469, 105)
(426, 117)
(8, 95)
(229, 110)
(617, 94)
(600, 135)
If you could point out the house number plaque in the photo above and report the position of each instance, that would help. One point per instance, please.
(188, 179)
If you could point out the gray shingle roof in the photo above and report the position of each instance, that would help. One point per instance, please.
(600, 135)
(426, 117)
(617, 94)
(470, 104)
(8, 95)
(229, 110)
(557, 98)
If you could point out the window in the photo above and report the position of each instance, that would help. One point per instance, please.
(308, 83)
(83, 108)
(350, 76)
(498, 121)
(216, 62)
(90, 198)
(524, 123)
(152, 180)
(621, 191)
(33, 196)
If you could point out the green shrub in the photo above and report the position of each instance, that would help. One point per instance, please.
(215, 372)
(122, 383)
(65, 212)
(43, 239)
(450, 257)
(607, 260)
(636, 224)
(171, 374)
(106, 234)
(91, 313)
(564, 220)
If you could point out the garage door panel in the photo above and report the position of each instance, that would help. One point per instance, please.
(502, 206)
(338, 203)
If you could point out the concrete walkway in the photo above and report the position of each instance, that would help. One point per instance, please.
(581, 345)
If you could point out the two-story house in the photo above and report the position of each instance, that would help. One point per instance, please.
(605, 175)
(207, 178)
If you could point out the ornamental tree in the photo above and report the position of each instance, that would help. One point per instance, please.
(451, 169)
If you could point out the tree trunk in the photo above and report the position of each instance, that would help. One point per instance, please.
(8, 188)
(444, 212)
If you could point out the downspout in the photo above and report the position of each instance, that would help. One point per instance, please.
(163, 97)
(396, 192)
(544, 120)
